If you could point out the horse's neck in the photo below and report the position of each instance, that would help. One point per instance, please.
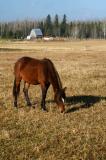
(54, 77)
(55, 87)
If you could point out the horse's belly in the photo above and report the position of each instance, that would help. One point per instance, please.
(30, 79)
(34, 82)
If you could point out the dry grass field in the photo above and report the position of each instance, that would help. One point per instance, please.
(79, 134)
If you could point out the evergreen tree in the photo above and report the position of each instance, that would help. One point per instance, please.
(41, 26)
(56, 27)
(48, 26)
(63, 26)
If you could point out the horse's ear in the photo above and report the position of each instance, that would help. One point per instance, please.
(64, 89)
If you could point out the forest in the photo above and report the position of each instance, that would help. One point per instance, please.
(55, 27)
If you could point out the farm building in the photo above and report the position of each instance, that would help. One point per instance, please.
(35, 33)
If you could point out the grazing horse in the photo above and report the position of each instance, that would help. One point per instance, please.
(35, 71)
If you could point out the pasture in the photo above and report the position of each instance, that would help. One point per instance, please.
(80, 134)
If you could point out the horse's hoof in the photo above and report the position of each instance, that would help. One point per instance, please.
(62, 111)
(44, 110)
(29, 104)
(15, 105)
(15, 108)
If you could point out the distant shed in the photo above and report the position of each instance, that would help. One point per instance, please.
(36, 33)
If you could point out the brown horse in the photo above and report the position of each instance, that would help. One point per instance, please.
(43, 72)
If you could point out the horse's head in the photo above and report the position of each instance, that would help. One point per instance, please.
(60, 98)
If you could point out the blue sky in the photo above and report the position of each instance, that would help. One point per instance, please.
(11, 10)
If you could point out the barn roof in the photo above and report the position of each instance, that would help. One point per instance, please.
(37, 31)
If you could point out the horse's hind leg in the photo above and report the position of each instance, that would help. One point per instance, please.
(25, 90)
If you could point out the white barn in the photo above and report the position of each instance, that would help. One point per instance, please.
(36, 33)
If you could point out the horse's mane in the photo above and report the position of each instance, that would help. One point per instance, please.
(53, 70)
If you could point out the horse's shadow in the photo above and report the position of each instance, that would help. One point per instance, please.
(85, 101)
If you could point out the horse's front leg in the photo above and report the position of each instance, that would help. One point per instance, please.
(25, 90)
(16, 90)
(44, 92)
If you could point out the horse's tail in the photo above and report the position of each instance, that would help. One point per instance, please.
(16, 89)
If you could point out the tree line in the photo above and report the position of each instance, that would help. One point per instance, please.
(54, 27)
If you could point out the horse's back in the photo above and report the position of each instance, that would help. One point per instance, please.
(32, 70)
(24, 62)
